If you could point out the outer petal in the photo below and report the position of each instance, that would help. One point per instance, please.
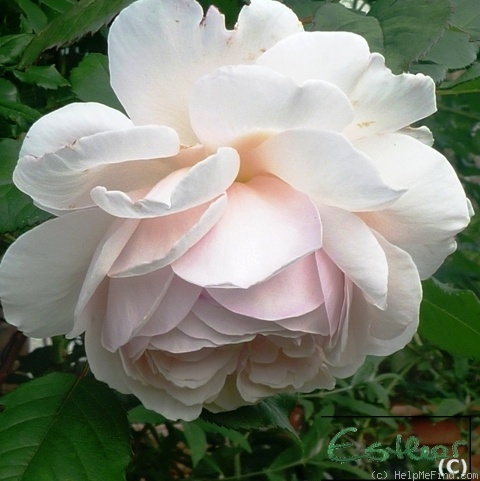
(64, 179)
(263, 101)
(65, 126)
(177, 47)
(339, 58)
(94, 290)
(351, 245)
(294, 291)
(159, 241)
(384, 102)
(242, 249)
(181, 190)
(42, 272)
(381, 332)
(131, 303)
(106, 366)
(326, 167)
(425, 219)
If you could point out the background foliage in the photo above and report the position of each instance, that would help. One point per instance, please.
(59, 423)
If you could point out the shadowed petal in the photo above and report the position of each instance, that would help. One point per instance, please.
(183, 189)
(42, 273)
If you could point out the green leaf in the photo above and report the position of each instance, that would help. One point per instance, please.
(450, 319)
(45, 77)
(86, 16)
(361, 407)
(35, 16)
(8, 91)
(227, 7)
(18, 112)
(16, 209)
(140, 414)
(59, 6)
(335, 17)
(466, 16)
(91, 81)
(315, 439)
(59, 428)
(196, 441)
(12, 47)
(449, 407)
(271, 412)
(454, 50)
(236, 437)
(410, 28)
(304, 9)
(470, 77)
(437, 72)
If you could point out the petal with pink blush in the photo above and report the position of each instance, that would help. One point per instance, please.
(351, 245)
(197, 371)
(183, 189)
(242, 249)
(391, 329)
(176, 304)
(131, 303)
(159, 241)
(325, 166)
(106, 366)
(156, 399)
(102, 260)
(265, 102)
(230, 323)
(292, 292)
(177, 47)
(332, 280)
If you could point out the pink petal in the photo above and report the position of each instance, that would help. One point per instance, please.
(159, 241)
(107, 250)
(131, 303)
(293, 292)
(174, 307)
(351, 245)
(242, 249)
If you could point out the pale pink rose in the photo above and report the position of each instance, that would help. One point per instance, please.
(258, 224)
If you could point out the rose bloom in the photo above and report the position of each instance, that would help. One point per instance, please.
(257, 223)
